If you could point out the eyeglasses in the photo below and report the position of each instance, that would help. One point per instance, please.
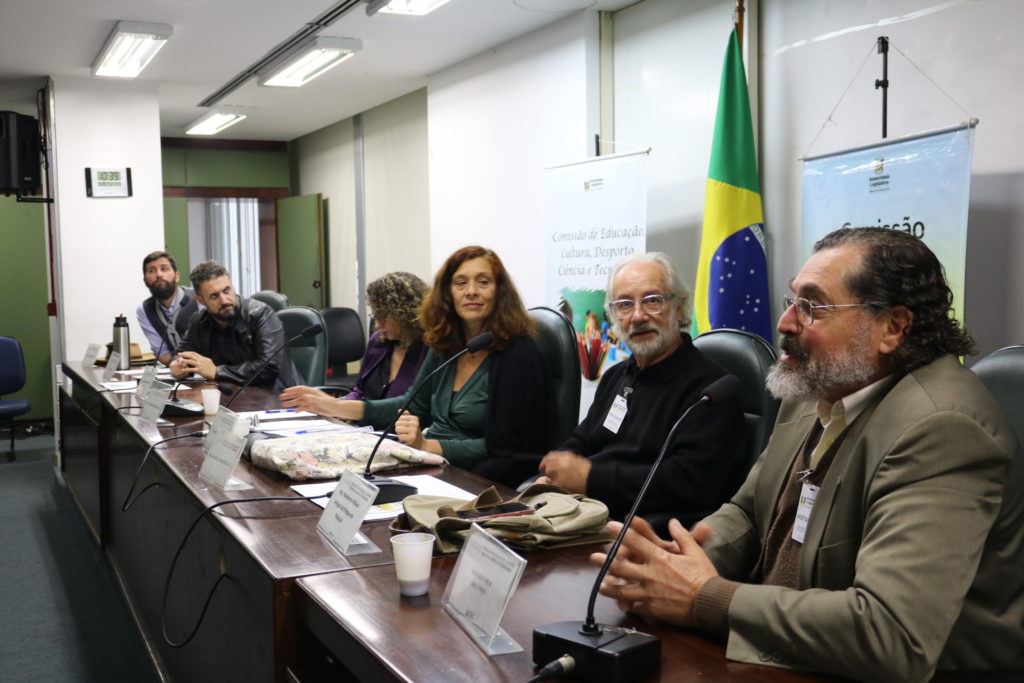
(805, 309)
(653, 304)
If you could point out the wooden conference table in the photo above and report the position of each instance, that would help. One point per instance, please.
(292, 608)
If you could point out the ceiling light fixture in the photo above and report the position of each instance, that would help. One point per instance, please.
(312, 59)
(214, 121)
(416, 8)
(130, 47)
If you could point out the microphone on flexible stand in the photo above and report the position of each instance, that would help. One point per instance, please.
(311, 331)
(389, 490)
(611, 653)
(181, 407)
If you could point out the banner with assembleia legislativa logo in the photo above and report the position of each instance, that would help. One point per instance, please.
(920, 185)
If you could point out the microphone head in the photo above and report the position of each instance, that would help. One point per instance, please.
(312, 330)
(480, 342)
(726, 385)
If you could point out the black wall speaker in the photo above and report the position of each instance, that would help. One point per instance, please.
(19, 153)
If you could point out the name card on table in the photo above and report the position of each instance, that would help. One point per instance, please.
(113, 360)
(91, 354)
(345, 513)
(223, 447)
(145, 382)
(482, 583)
(154, 400)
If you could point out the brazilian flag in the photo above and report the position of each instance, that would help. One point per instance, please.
(732, 275)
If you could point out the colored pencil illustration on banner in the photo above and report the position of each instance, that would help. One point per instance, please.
(598, 344)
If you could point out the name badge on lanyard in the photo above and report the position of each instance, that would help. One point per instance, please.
(616, 414)
(808, 494)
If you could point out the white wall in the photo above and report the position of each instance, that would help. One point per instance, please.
(811, 51)
(101, 242)
(396, 181)
(495, 122)
(324, 163)
(668, 65)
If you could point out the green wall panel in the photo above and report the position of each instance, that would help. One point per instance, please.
(235, 168)
(176, 234)
(173, 162)
(23, 308)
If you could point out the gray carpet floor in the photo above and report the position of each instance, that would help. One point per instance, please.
(62, 616)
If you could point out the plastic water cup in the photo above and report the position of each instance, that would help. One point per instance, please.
(413, 552)
(211, 401)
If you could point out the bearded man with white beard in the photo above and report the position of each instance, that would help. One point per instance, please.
(880, 536)
(638, 400)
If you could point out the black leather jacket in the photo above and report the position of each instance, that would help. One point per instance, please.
(240, 348)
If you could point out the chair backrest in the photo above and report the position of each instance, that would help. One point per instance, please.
(1002, 372)
(749, 358)
(556, 339)
(346, 341)
(275, 300)
(308, 353)
(12, 366)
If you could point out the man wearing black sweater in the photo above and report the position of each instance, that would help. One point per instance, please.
(638, 400)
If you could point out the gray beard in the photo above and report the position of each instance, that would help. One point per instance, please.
(655, 347)
(817, 377)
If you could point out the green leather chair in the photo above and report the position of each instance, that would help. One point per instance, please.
(749, 358)
(275, 300)
(308, 354)
(1002, 372)
(556, 339)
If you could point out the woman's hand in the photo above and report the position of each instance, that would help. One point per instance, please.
(321, 403)
(408, 430)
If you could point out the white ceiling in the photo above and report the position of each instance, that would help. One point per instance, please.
(215, 40)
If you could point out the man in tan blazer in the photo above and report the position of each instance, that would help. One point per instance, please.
(881, 534)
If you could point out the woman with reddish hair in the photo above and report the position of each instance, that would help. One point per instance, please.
(486, 407)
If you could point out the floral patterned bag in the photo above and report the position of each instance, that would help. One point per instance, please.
(325, 456)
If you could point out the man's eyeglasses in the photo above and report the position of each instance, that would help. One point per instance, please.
(805, 309)
(653, 304)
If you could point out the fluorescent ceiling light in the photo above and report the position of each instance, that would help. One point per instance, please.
(309, 61)
(214, 122)
(129, 48)
(408, 7)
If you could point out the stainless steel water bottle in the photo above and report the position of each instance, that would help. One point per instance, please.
(121, 343)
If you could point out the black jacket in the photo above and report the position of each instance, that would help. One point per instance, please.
(239, 349)
(695, 476)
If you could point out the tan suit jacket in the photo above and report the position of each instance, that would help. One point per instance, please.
(912, 560)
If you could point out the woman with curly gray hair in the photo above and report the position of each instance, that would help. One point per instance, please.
(395, 351)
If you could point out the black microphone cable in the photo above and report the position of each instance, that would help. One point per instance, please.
(128, 500)
(223, 573)
(91, 396)
(559, 668)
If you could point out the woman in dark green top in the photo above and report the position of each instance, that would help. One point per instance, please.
(488, 404)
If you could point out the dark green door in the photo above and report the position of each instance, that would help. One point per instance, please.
(300, 250)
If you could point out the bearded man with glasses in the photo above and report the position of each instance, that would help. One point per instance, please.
(638, 400)
(880, 536)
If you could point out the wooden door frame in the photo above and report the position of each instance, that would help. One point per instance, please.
(266, 212)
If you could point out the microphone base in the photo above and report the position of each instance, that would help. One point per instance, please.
(615, 655)
(390, 491)
(182, 407)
